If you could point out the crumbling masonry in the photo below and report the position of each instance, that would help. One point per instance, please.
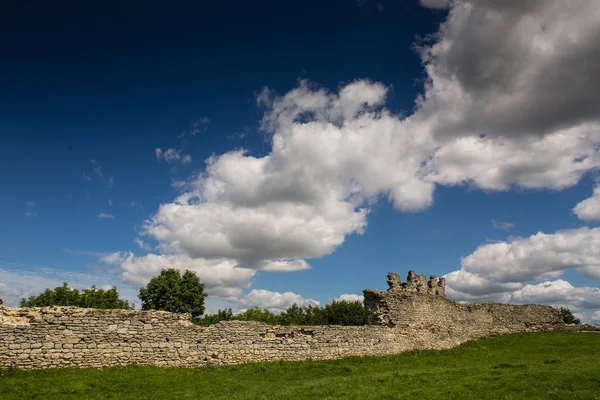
(410, 315)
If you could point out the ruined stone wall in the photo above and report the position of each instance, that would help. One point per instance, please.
(400, 320)
(74, 337)
(420, 304)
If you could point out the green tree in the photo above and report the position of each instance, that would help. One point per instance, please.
(315, 315)
(88, 298)
(99, 298)
(345, 313)
(210, 319)
(171, 291)
(294, 315)
(568, 317)
(256, 314)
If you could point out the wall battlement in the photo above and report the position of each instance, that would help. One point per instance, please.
(416, 284)
(411, 315)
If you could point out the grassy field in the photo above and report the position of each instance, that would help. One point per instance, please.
(560, 365)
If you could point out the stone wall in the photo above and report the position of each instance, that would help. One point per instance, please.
(401, 319)
(422, 304)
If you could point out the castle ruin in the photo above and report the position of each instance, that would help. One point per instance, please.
(410, 315)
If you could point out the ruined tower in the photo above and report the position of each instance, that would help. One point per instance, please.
(392, 306)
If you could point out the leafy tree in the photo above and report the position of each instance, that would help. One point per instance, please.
(568, 317)
(294, 315)
(99, 298)
(174, 292)
(345, 313)
(1, 301)
(315, 315)
(88, 298)
(221, 315)
(256, 314)
(305, 315)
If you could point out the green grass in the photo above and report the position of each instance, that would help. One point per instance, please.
(559, 365)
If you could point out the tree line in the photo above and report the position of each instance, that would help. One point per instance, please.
(184, 293)
(88, 298)
(334, 313)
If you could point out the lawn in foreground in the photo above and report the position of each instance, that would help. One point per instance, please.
(558, 365)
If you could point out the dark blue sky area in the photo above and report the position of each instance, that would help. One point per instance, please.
(117, 79)
(140, 65)
(111, 81)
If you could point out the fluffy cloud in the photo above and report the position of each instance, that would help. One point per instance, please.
(222, 277)
(559, 293)
(589, 209)
(591, 271)
(142, 245)
(274, 301)
(171, 155)
(350, 297)
(582, 301)
(502, 271)
(508, 68)
(280, 230)
(285, 266)
(502, 267)
(301, 200)
(557, 160)
(509, 97)
(10, 295)
(509, 101)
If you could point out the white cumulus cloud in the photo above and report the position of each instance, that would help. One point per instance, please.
(222, 277)
(350, 297)
(526, 270)
(559, 293)
(589, 209)
(503, 267)
(509, 68)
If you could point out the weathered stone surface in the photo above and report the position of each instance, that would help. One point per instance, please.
(410, 315)
(416, 284)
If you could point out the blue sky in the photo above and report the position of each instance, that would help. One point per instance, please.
(379, 136)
